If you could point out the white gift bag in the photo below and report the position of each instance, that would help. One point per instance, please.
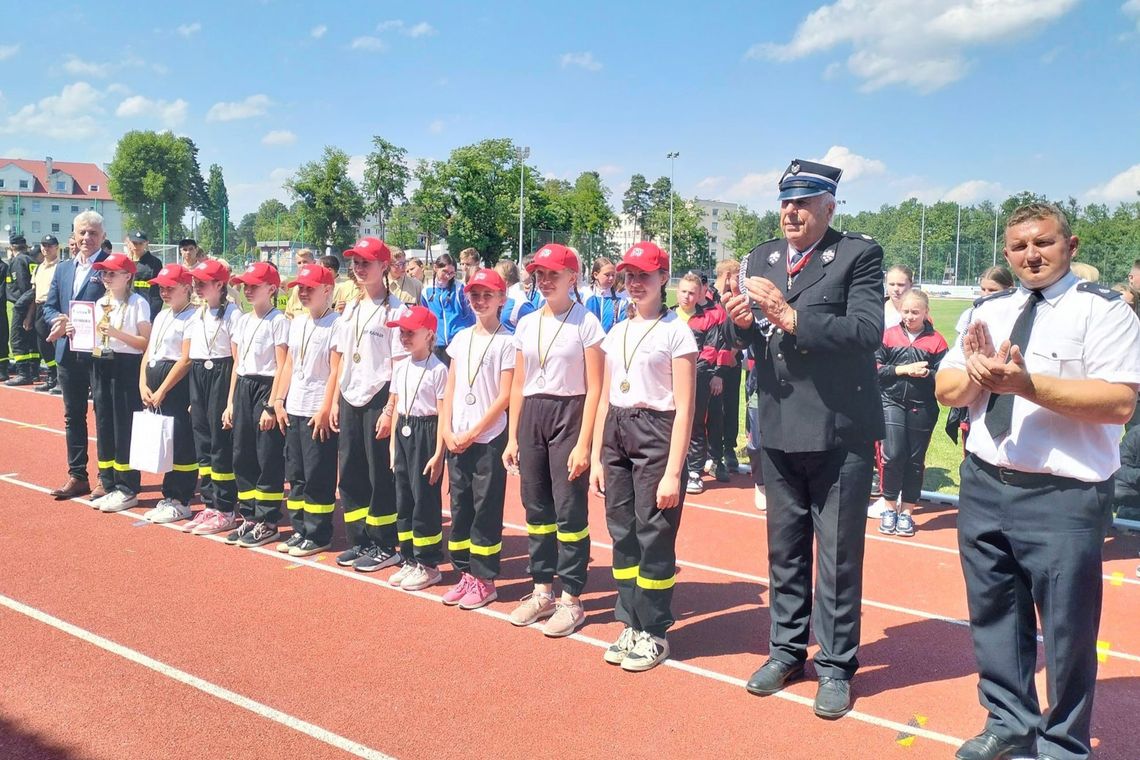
(152, 443)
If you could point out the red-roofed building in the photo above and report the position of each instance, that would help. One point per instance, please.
(42, 197)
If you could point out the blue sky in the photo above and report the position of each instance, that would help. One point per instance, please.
(940, 99)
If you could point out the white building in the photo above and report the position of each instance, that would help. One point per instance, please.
(39, 198)
(720, 230)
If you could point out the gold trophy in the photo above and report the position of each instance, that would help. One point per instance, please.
(103, 351)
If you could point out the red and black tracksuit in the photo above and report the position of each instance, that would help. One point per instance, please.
(909, 408)
(715, 357)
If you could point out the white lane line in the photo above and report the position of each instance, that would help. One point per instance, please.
(863, 717)
(33, 426)
(212, 689)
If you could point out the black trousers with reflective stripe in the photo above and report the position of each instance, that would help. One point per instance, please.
(25, 354)
(310, 467)
(259, 455)
(47, 350)
(209, 395)
(699, 441)
(635, 453)
(817, 497)
(419, 505)
(1029, 551)
(478, 484)
(115, 390)
(179, 483)
(367, 491)
(557, 509)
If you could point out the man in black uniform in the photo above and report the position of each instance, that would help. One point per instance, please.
(4, 310)
(812, 315)
(21, 293)
(148, 266)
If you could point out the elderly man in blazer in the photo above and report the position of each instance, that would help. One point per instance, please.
(75, 280)
(811, 310)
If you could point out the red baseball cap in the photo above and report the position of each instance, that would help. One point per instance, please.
(554, 256)
(171, 275)
(312, 275)
(116, 262)
(259, 273)
(487, 278)
(370, 249)
(211, 270)
(415, 318)
(646, 256)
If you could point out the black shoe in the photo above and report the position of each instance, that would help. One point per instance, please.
(721, 472)
(732, 463)
(772, 677)
(348, 556)
(46, 387)
(56, 391)
(20, 380)
(833, 698)
(986, 746)
(377, 558)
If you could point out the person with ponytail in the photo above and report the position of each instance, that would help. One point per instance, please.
(602, 298)
(522, 296)
(446, 299)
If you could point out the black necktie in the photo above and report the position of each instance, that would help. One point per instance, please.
(999, 410)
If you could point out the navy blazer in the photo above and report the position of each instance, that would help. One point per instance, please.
(59, 295)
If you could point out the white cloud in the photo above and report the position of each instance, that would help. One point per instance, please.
(80, 68)
(1122, 187)
(318, 31)
(384, 26)
(759, 189)
(355, 169)
(7, 51)
(422, 29)
(755, 189)
(19, 152)
(853, 165)
(419, 29)
(584, 60)
(70, 115)
(974, 190)
(245, 197)
(368, 44)
(254, 105)
(189, 30)
(1131, 8)
(710, 184)
(279, 137)
(169, 113)
(608, 170)
(436, 126)
(920, 44)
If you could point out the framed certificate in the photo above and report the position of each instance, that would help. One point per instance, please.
(82, 318)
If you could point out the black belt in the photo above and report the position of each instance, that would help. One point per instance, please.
(1025, 479)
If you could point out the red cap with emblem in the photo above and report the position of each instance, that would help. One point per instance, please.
(554, 256)
(259, 273)
(370, 249)
(415, 318)
(646, 256)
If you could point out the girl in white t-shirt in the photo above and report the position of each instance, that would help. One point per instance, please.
(303, 394)
(259, 342)
(553, 405)
(418, 385)
(474, 423)
(638, 457)
(165, 389)
(123, 327)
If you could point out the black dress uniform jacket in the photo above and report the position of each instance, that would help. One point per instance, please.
(819, 388)
(21, 291)
(147, 268)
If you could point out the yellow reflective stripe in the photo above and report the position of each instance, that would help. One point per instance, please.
(50, 363)
(355, 514)
(23, 357)
(541, 530)
(567, 538)
(186, 467)
(428, 540)
(142, 284)
(106, 465)
(379, 520)
(205, 470)
(625, 573)
(267, 496)
(320, 509)
(221, 475)
(655, 585)
(404, 535)
(486, 551)
(247, 494)
(295, 504)
(122, 467)
(458, 546)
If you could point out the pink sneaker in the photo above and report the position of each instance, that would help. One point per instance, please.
(456, 593)
(199, 517)
(480, 593)
(216, 522)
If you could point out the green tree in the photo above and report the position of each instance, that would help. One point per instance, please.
(196, 194)
(430, 206)
(636, 203)
(216, 216)
(274, 221)
(749, 229)
(151, 179)
(332, 202)
(386, 176)
(402, 228)
(246, 238)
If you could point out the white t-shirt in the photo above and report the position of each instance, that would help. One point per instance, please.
(419, 385)
(167, 334)
(490, 357)
(563, 350)
(125, 316)
(256, 340)
(650, 375)
(209, 336)
(309, 345)
(362, 332)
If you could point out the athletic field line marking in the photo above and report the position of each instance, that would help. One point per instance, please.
(697, 670)
(220, 692)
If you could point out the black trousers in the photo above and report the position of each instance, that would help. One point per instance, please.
(478, 485)
(419, 505)
(259, 455)
(178, 483)
(75, 385)
(47, 350)
(820, 495)
(699, 441)
(635, 453)
(557, 508)
(209, 395)
(1029, 550)
(909, 428)
(25, 354)
(730, 414)
(367, 490)
(115, 390)
(4, 337)
(310, 468)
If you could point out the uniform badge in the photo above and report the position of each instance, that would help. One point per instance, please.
(794, 168)
(827, 256)
(773, 257)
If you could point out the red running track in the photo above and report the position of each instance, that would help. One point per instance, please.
(130, 640)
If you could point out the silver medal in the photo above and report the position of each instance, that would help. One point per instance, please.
(540, 382)
(406, 431)
(153, 363)
(209, 364)
(470, 399)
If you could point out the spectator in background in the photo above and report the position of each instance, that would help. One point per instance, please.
(293, 305)
(415, 268)
(601, 298)
(49, 247)
(405, 287)
(1126, 481)
(345, 290)
(470, 262)
(147, 267)
(190, 252)
(726, 285)
(522, 297)
(900, 279)
(446, 299)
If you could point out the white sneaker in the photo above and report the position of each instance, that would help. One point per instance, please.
(117, 501)
(877, 508)
(760, 499)
(648, 650)
(99, 502)
(709, 466)
(168, 511)
(405, 570)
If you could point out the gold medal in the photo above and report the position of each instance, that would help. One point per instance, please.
(624, 386)
(356, 357)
